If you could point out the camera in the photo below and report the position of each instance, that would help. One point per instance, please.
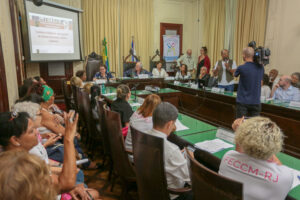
(261, 54)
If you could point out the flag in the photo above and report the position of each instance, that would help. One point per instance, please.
(104, 54)
(133, 51)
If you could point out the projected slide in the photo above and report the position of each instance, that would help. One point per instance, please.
(51, 35)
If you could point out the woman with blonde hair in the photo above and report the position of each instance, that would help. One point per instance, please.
(24, 176)
(142, 118)
(122, 106)
(254, 163)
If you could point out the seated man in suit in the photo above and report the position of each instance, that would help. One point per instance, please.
(136, 71)
(284, 91)
(176, 168)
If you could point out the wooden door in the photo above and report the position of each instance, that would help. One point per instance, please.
(54, 72)
(170, 27)
(3, 86)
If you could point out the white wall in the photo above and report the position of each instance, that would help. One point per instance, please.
(283, 35)
(8, 52)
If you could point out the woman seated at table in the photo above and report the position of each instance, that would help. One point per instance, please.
(122, 106)
(103, 74)
(265, 88)
(183, 73)
(159, 71)
(142, 118)
(254, 163)
(204, 76)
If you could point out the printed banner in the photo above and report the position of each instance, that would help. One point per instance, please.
(171, 47)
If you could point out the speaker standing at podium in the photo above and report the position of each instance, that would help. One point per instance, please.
(249, 90)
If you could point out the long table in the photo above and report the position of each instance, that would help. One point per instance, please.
(199, 130)
(219, 110)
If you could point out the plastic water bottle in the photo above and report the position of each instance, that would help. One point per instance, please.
(103, 89)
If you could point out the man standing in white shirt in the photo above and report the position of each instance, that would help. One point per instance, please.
(176, 168)
(224, 70)
(188, 60)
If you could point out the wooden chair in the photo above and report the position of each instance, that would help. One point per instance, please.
(154, 63)
(148, 154)
(128, 64)
(122, 166)
(207, 184)
(207, 159)
(93, 62)
(67, 95)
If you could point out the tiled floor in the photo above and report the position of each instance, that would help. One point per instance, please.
(98, 179)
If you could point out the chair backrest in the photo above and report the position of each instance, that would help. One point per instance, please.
(207, 184)
(148, 154)
(207, 159)
(87, 113)
(128, 64)
(122, 165)
(93, 62)
(67, 94)
(103, 128)
(74, 93)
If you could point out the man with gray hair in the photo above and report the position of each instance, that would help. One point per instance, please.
(136, 71)
(248, 95)
(284, 91)
(176, 168)
(188, 60)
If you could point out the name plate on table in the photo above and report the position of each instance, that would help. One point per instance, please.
(140, 100)
(143, 76)
(294, 104)
(110, 94)
(194, 86)
(100, 81)
(170, 78)
(215, 89)
(176, 83)
(225, 134)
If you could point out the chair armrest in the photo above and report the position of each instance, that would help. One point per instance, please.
(128, 151)
(179, 191)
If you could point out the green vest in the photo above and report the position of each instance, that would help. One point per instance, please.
(229, 76)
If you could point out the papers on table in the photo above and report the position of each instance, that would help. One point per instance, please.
(194, 86)
(296, 174)
(180, 126)
(135, 104)
(110, 94)
(295, 104)
(213, 146)
(226, 135)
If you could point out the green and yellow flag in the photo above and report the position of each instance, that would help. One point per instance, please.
(104, 54)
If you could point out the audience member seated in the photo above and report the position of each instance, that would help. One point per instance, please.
(87, 87)
(141, 119)
(296, 79)
(254, 163)
(273, 78)
(159, 71)
(284, 91)
(81, 74)
(40, 80)
(203, 61)
(122, 106)
(176, 168)
(95, 96)
(136, 71)
(204, 76)
(265, 88)
(76, 81)
(224, 70)
(183, 74)
(24, 176)
(18, 132)
(103, 73)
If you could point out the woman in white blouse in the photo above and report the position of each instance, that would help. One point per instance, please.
(183, 73)
(142, 118)
(159, 71)
(265, 89)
